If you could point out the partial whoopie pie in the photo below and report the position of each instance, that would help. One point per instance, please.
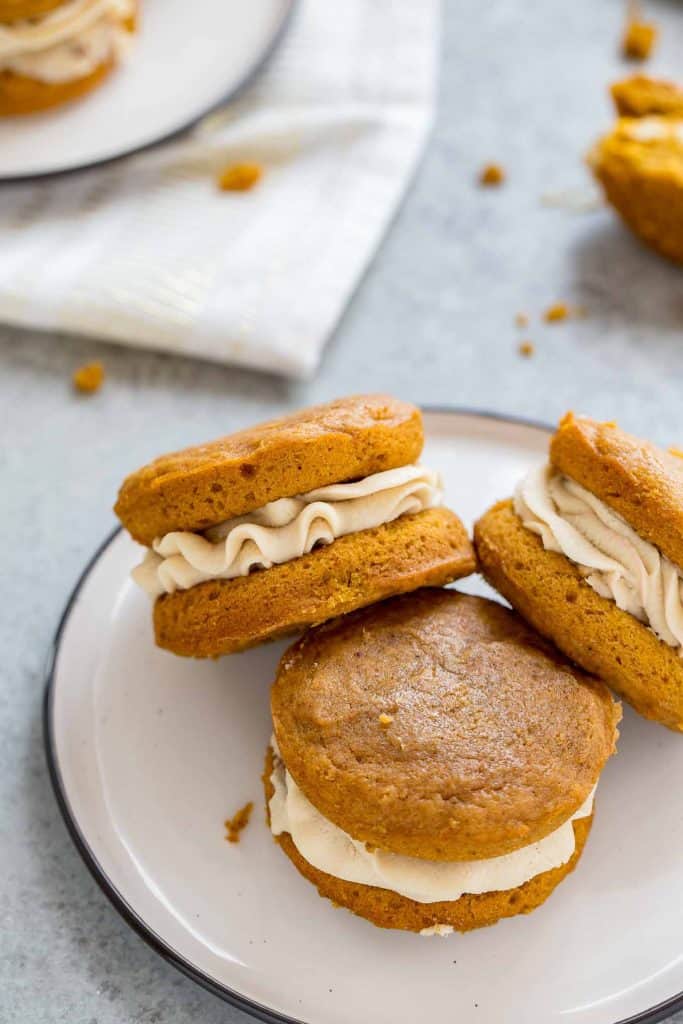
(590, 552)
(52, 52)
(285, 525)
(433, 761)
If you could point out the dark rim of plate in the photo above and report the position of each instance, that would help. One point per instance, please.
(250, 75)
(263, 1013)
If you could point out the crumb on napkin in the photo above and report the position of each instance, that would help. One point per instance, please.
(526, 349)
(521, 320)
(89, 378)
(238, 822)
(239, 177)
(639, 36)
(492, 174)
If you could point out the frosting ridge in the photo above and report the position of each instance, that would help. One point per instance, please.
(613, 559)
(69, 42)
(285, 529)
(332, 850)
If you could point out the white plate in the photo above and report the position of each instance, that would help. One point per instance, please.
(149, 753)
(187, 58)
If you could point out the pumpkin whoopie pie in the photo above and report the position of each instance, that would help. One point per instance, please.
(434, 761)
(640, 167)
(590, 551)
(53, 52)
(290, 523)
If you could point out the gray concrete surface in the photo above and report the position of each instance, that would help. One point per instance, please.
(522, 83)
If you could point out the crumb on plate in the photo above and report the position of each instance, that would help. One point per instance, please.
(238, 822)
(526, 349)
(492, 174)
(89, 378)
(522, 320)
(639, 36)
(239, 177)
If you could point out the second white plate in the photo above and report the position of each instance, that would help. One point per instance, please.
(187, 58)
(149, 753)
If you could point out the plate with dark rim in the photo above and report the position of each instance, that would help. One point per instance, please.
(187, 59)
(149, 754)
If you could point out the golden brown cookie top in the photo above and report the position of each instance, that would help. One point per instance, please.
(440, 726)
(20, 10)
(638, 480)
(198, 487)
(640, 96)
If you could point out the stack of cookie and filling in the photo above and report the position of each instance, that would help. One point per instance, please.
(288, 524)
(640, 162)
(590, 551)
(434, 759)
(434, 762)
(54, 51)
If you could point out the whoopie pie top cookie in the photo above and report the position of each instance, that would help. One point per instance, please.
(440, 726)
(286, 525)
(24, 10)
(327, 444)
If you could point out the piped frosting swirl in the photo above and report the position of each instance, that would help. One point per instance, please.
(286, 529)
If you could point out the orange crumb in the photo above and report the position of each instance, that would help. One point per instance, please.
(238, 822)
(639, 36)
(88, 379)
(239, 177)
(558, 311)
(526, 349)
(678, 452)
(522, 320)
(385, 720)
(492, 174)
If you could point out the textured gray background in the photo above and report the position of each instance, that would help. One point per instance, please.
(433, 321)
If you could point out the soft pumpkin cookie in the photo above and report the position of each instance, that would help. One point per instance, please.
(287, 524)
(590, 552)
(640, 167)
(434, 760)
(640, 96)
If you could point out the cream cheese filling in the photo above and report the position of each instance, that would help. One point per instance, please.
(613, 559)
(333, 851)
(68, 43)
(285, 529)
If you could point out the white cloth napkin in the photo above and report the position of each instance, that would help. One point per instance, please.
(148, 252)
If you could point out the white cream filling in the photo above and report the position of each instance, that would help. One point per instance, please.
(649, 129)
(285, 529)
(614, 560)
(69, 42)
(331, 850)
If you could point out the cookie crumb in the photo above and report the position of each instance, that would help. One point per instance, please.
(526, 349)
(522, 320)
(557, 312)
(239, 177)
(678, 452)
(639, 36)
(385, 720)
(239, 821)
(492, 174)
(89, 378)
